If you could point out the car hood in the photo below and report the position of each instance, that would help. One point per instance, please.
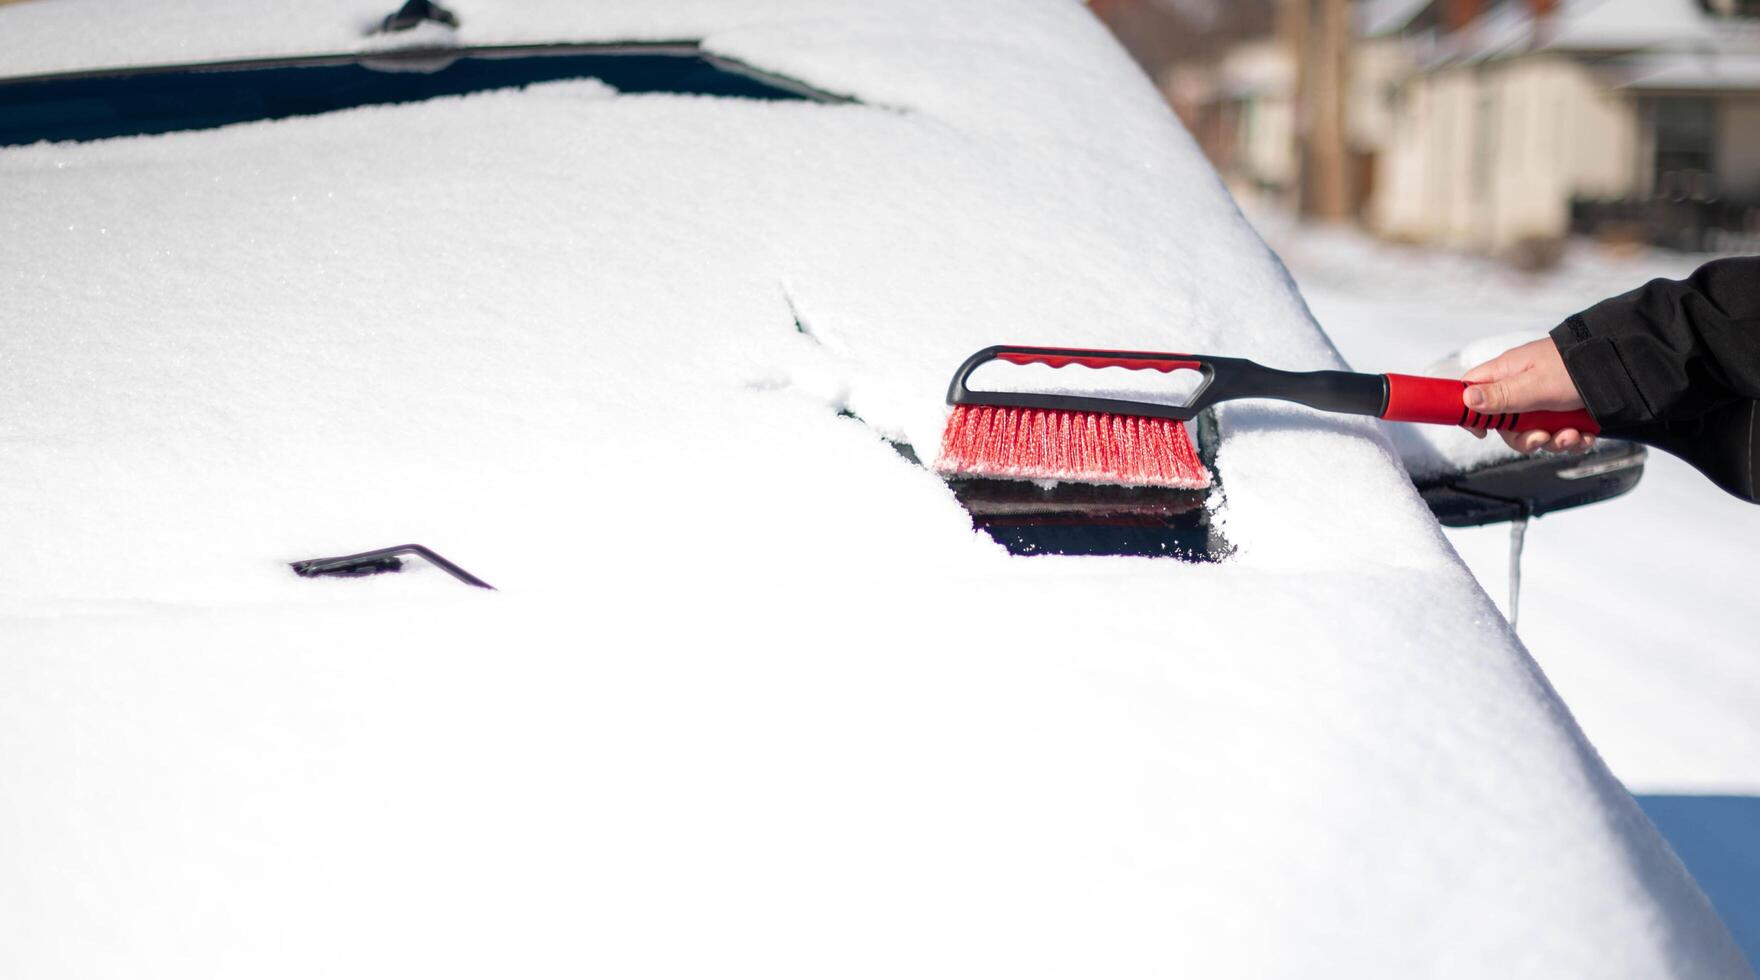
(752, 690)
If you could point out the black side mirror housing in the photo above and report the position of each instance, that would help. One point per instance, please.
(1468, 482)
(1530, 486)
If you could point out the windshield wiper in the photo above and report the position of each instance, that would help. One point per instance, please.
(380, 561)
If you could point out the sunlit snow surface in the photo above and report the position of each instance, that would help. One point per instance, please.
(1639, 609)
(753, 698)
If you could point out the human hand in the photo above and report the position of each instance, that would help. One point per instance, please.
(1529, 378)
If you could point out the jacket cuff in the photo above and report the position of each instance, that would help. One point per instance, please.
(1594, 364)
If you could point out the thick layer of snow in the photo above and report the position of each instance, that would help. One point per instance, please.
(753, 697)
(1639, 609)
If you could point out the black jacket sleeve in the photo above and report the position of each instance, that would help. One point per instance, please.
(1676, 364)
(1668, 350)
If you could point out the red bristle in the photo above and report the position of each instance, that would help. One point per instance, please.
(1079, 447)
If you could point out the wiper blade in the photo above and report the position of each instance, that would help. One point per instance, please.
(383, 560)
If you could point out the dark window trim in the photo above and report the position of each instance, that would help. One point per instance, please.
(416, 58)
(148, 100)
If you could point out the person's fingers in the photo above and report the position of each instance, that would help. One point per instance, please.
(1531, 441)
(1571, 441)
(1496, 383)
(1515, 393)
(1507, 363)
(1527, 378)
(1487, 398)
(1531, 377)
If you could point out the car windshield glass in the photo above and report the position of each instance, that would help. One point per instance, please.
(132, 102)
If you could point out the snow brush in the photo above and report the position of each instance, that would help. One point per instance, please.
(1021, 435)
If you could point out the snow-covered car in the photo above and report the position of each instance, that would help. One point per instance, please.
(750, 696)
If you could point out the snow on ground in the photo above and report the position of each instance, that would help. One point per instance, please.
(753, 697)
(1640, 609)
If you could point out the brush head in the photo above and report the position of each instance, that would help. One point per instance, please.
(1079, 447)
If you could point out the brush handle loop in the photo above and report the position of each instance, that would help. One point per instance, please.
(1224, 379)
(1438, 401)
(958, 393)
(1065, 356)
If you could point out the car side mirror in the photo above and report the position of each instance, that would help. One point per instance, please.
(1468, 481)
(1530, 486)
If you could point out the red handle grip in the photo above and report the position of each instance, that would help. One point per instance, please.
(1438, 400)
(1098, 359)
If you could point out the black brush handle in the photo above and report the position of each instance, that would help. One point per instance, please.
(1346, 392)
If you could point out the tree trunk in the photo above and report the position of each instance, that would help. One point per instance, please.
(1320, 33)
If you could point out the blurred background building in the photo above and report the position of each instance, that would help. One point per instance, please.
(1500, 126)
